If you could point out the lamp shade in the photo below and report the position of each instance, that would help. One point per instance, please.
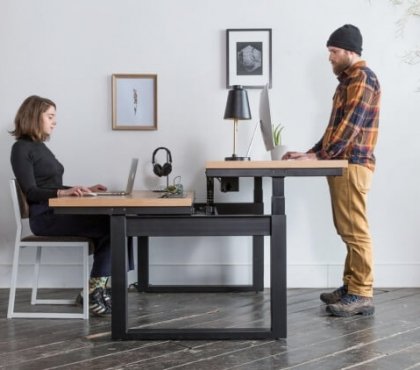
(237, 105)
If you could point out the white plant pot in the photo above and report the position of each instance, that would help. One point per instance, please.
(278, 152)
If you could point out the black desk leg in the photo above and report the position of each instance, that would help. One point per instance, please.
(278, 256)
(210, 191)
(119, 320)
(278, 275)
(258, 244)
(142, 263)
(258, 263)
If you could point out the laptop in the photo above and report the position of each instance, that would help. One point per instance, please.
(130, 182)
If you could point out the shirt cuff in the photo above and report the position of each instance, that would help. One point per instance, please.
(322, 154)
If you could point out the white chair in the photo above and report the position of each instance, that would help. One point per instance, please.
(21, 211)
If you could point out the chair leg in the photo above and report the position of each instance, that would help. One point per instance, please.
(13, 283)
(86, 282)
(36, 275)
(84, 315)
(60, 301)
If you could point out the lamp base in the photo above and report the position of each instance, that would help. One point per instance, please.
(234, 157)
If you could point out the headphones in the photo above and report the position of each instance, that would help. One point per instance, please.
(165, 169)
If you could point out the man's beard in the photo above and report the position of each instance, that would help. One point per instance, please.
(341, 66)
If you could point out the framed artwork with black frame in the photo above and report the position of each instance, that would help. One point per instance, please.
(248, 57)
(134, 102)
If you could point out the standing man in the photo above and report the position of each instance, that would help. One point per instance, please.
(351, 135)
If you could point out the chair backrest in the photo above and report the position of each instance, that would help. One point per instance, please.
(19, 200)
(20, 207)
(23, 232)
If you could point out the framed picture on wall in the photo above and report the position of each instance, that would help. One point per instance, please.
(134, 102)
(248, 57)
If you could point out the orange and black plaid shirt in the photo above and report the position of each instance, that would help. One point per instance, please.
(353, 128)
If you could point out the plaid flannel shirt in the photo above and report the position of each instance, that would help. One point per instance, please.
(353, 127)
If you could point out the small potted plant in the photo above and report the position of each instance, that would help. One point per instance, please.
(279, 150)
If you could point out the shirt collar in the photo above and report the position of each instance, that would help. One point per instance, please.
(348, 71)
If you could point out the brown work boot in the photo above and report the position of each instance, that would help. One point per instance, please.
(351, 305)
(335, 296)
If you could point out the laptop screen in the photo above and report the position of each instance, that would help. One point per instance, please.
(132, 175)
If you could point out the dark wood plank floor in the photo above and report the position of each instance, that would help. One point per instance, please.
(388, 340)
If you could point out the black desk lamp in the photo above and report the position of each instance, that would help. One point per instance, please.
(237, 107)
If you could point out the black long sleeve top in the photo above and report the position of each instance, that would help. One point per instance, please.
(37, 171)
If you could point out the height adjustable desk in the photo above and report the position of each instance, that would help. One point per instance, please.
(145, 215)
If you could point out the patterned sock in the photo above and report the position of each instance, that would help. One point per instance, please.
(97, 282)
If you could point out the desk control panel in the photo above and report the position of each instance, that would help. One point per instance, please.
(202, 209)
(228, 184)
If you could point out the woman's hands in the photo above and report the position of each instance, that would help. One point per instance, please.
(80, 190)
(98, 187)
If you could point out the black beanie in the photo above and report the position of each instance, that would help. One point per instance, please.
(347, 37)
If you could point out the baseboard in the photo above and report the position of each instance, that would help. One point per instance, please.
(298, 275)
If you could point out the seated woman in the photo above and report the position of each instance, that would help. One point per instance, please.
(40, 175)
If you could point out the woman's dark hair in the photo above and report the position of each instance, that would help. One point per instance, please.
(28, 121)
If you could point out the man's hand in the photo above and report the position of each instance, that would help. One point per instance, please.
(299, 156)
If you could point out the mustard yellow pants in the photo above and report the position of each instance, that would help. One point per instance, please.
(349, 205)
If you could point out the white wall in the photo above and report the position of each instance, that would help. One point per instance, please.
(67, 50)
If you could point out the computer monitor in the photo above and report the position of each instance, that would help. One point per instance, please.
(266, 125)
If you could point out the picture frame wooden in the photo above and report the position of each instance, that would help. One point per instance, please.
(134, 102)
(249, 57)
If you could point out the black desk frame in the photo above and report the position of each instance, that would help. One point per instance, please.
(145, 222)
(254, 208)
